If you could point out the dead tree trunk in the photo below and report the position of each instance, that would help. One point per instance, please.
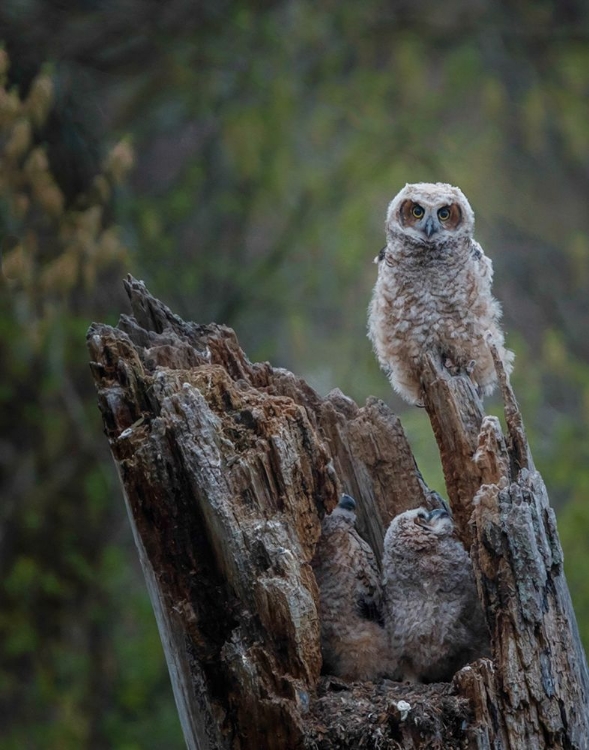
(227, 468)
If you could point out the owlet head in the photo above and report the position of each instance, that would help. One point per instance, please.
(430, 213)
(418, 529)
(345, 509)
(438, 521)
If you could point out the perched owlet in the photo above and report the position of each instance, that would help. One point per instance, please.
(432, 613)
(353, 644)
(433, 292)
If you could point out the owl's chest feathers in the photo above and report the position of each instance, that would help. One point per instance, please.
(424, 604)
(433, 300)
(424, 614)
(441, 570)
(433, 278)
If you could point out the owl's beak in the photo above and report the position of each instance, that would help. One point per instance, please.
(431, 226)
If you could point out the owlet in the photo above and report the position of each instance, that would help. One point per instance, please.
(433, 292)
(432, 612)
(353, 644)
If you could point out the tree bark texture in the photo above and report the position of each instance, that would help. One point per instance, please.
(228, 467)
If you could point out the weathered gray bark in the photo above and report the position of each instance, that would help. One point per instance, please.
(227, 468)
(537, 696)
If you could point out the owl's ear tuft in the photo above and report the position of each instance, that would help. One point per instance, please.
(347, 502)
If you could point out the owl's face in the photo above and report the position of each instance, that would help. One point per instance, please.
(419, 528)
(438, 521)
(430, 213)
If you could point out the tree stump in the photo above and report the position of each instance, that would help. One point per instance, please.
(228, 467)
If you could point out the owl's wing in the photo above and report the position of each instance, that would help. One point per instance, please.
(368, 587)
(346, 569)
(482, 262)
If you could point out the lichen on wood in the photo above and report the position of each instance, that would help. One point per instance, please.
(228, 467)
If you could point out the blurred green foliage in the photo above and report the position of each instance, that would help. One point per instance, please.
(268, 139)
(71, 674)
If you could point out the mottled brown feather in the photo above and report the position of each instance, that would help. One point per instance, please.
(353, 646)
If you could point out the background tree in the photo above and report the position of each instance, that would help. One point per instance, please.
(63, 563)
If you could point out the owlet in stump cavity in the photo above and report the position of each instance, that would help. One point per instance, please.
(433, 292)
(354, 646)
(432, 612)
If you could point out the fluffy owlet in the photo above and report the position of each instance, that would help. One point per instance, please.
(433, 292)
(432, 613)
(353, 644)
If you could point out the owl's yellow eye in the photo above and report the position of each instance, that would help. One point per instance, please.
(417, 211)
(444, 214)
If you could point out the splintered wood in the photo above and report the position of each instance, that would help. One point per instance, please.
(228, 467)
